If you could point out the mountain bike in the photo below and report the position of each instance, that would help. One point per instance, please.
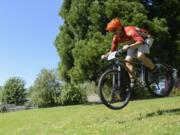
(114, 84)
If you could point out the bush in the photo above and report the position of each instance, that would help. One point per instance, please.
(14, 91)
(1, 94)
(72, 94)
(89, 88)
(46, 89)
(141, 93)
(175, 92)
(3, 108)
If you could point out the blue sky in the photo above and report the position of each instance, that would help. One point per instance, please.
(28, 29)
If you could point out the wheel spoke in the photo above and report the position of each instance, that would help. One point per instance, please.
(164, 84)
(112, 92)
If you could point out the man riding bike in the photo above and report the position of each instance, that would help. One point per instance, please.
(134, 42)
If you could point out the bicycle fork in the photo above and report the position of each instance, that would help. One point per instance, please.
(115, 82)
(116, 78)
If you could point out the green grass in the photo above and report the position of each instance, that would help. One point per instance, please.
(143, 117)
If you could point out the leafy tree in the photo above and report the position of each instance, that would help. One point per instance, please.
(14, 91)
(82, 38)
(169, 10)
(178, 49)
(46, 89)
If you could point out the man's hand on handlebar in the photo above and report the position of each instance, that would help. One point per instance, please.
(104, 56)
(126, 47)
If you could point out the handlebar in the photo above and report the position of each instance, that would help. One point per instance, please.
(114, 54)
(118, 52)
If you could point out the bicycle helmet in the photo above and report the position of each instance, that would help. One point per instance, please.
(114, 24)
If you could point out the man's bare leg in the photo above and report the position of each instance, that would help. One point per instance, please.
(147, 62)
(129, 65)
(131, 70)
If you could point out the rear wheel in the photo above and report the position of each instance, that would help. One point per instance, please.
(114, 89)
(164, 84)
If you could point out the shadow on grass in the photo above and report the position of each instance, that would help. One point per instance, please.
(163, 112)
(175, 111)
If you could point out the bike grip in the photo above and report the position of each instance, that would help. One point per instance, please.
(104, 58)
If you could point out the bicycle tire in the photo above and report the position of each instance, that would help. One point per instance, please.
(124, 77)
(170, 82)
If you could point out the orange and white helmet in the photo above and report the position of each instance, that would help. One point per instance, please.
(114, 24)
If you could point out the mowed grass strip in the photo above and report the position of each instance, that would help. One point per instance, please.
(143, 117)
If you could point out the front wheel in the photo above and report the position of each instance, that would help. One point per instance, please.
(164, 81)
(114, 89)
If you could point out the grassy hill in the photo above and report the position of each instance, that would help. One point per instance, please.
(144, 117)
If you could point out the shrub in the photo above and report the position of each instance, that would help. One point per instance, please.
(3, 108)
(46, 89)
(89, 88)
(141, 93)
(175, 92)
(72, 94)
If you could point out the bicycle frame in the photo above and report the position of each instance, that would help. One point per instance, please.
(120, 62)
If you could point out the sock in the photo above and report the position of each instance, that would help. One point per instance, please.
(132, 80)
